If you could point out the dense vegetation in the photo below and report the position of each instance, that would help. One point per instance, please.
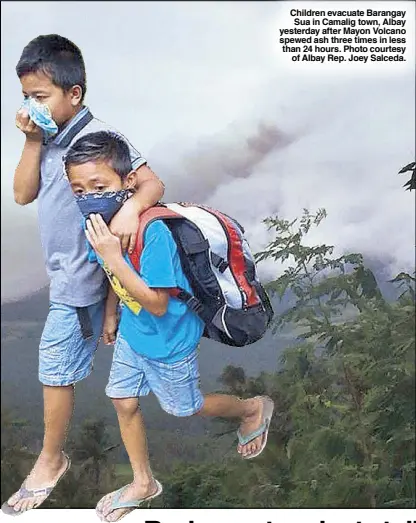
(344, 430)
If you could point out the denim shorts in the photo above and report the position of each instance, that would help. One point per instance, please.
(68, 344)
(176, 385)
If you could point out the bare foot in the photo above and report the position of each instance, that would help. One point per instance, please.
(132, 492)
(45, 473)
(250, 423)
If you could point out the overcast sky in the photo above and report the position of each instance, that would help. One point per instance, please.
(224, 119)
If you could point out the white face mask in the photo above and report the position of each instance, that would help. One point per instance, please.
(41, 116)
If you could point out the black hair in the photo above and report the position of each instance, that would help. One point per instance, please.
(104, 146)
(58, 58)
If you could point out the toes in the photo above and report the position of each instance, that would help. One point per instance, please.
(106, 508)
(255, 445)
(250, 448)
(102, 504)
(111, 516)
(34, 503)
(114, 516)
(26, 505)
(30, 504)
(14, 499)
(19, 506)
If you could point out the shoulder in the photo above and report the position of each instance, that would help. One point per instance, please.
(98, 125)
(159, 247)
(157, 229)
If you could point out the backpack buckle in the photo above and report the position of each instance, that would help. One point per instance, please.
(191, 301)
(195, 305)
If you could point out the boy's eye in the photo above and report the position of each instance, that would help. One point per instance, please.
(78, 191)
(100, 188)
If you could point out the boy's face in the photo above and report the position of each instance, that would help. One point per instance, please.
(61, 104)
(97, 177)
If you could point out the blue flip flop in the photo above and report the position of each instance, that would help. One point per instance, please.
(25, 493)
(263, 430)
(132, 505)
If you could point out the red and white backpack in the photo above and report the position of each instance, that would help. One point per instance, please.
(220, 268)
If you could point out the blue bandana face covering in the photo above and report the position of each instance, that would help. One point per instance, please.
(107, 204)
(41, 116)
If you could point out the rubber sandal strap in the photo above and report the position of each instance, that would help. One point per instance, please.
(135, 503)
(243, 440)
(25, 493)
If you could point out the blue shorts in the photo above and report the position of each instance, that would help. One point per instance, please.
(176, 385)
(68, 344)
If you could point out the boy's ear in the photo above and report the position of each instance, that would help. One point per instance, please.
(130, 180)
(76, 95)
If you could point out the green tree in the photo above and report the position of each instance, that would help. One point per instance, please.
(345, 393)
(411, 184)
(16, 459)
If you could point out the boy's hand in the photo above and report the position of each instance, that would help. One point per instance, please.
(27, 126)
(105, 244)
(110, 329)
(125, 225)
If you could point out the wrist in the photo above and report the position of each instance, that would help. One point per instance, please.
(135, 203)
(115, 262)
(34, 141)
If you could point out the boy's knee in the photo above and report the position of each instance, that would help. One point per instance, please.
(125, 407)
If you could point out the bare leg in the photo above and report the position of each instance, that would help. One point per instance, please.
(249, 411)
(58, 408)
(133, 435)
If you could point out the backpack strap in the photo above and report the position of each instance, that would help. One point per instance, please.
(161, 212)
(186, 297)
(72, 132)
(158, 212)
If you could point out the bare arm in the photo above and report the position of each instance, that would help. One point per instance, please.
(125, 223)
(150, 189)
(27, 175)
(154, 301)
(110, 318)
(111, 303)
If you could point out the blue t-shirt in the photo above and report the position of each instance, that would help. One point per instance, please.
(174, 335)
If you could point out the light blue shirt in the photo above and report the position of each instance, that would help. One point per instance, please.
(74, 280)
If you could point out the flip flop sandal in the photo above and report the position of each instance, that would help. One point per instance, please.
(25, 493)
(132, 504)
(263, 430)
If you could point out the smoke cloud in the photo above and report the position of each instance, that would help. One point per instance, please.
(238, 132)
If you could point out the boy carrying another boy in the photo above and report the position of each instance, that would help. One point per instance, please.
(52, 74)
(158, 336)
